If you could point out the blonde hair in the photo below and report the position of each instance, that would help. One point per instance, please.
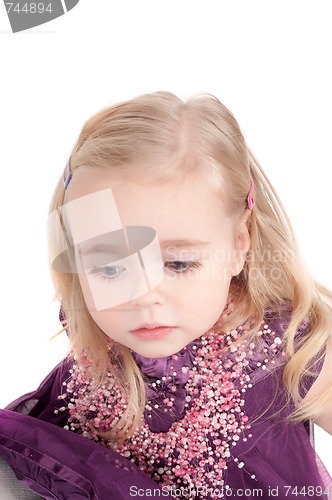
(160, 137)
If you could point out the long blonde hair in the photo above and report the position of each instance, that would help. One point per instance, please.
(159, 137)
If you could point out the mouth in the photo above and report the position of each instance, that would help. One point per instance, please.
(149, 331)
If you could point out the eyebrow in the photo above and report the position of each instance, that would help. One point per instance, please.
(189, 243)
(102, 247)
(184, 243)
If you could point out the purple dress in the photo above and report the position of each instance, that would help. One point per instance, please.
(215, 425)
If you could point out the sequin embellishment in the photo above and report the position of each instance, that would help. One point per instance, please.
(194, 451)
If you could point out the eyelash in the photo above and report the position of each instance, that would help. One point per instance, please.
(191, 264)
(98, 271)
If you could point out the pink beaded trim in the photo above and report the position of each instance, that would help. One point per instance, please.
(195, 450)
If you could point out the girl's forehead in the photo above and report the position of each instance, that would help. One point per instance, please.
(91, 215)
(186, 204)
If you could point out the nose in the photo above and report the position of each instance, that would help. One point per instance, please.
(154, 296)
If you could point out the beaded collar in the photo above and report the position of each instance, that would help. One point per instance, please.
(194, 414)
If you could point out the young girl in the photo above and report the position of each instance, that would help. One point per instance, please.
(201, 347)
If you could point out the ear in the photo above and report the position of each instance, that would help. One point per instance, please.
(242, 242)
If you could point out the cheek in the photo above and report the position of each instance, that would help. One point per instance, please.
(223, 263)
(215, 289)
(205, 295)
(108, 322)
(88, 297)
(216, 299)
(216, 278)
(203, 309)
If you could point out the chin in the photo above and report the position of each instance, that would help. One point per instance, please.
(155, 351)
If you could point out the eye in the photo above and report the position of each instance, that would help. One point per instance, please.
(182, 266)
(107, 272)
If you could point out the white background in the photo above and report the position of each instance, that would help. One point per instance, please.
(269, 62)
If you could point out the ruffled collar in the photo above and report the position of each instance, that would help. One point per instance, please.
(166, 367)
(165, 380)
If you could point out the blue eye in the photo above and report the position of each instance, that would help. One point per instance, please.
(182, 266)
(107, 272)
(112, 272)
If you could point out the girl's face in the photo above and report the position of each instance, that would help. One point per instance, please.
(201, 250)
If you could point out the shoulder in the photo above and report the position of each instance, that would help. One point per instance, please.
(266, 350)
(266, 353)
(318, 377)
